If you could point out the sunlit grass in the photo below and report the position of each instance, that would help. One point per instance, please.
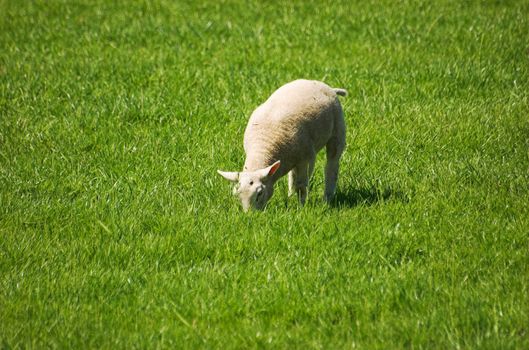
(116, 231)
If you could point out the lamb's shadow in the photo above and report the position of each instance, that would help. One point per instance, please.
(352, 197)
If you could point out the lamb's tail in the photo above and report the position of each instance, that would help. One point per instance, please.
(341, 92)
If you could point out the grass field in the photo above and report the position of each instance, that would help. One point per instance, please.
(116, 231)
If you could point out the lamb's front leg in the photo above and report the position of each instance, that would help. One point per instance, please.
(300, 179)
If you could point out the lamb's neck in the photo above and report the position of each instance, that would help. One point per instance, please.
(258, 160)
(263, 159)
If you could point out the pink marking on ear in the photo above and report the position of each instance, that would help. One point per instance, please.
(274, 168)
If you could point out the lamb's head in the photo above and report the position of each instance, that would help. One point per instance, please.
(254, 188)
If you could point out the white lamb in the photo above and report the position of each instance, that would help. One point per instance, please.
(284, 135)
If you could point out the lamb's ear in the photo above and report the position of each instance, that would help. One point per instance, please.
(271, 170)
(232, 176)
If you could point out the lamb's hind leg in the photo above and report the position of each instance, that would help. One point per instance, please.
(291, 182)
(334, 151)
(335, 147)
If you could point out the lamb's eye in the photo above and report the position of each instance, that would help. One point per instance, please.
(251, 183)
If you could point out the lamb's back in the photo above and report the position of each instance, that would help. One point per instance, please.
(300, 99)
(295, 120)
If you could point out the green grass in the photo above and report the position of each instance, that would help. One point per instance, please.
(116, 231)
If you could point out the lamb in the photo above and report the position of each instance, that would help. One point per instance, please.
(283, 135)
